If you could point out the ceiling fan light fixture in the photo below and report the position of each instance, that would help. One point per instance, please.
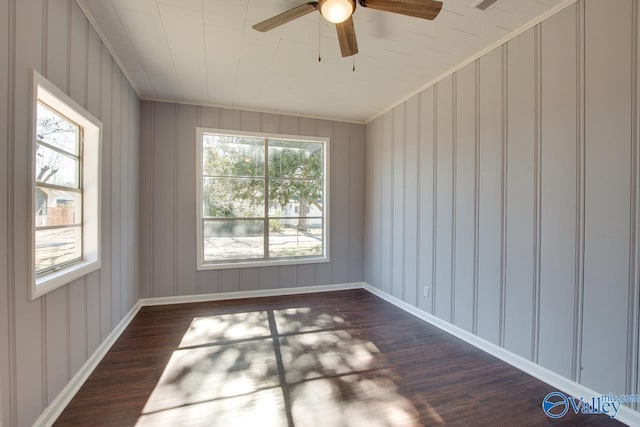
(337, 11)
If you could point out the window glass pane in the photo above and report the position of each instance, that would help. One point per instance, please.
(295, 237)
(232, 156)
(233, 197)
(57, 207)
(56, 169)
(57, 131)
(294, 198)
(54, 247)
(233, 240)
(296, 159)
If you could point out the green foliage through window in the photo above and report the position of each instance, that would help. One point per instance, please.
(277, 181)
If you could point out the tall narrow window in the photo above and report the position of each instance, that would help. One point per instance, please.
(263, 199)
(66, 185)
(58, 191)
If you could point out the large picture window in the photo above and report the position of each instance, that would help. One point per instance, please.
(65, 228)
(263, 199)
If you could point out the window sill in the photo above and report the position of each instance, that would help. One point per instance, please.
(262, 263)
(45, 284)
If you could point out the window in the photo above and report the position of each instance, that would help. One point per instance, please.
(262, 199)
(66, 181)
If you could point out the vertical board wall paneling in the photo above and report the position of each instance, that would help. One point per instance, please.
(386, 231)
(125, 158)
(444, 198)
(250, 121)
(465, 197)
(559, 185)
(356, 172)
(57, 341)
(607, 220)
(490, 194)
(371, 205)
(28, 390)
(106, 272)
(57, 42)
(397, 201)
(78, 54)
(134, 197)
(51, 337)
(635, 295)
(116, 202)
(163, 192)
(77, 318)
(340, 202)
(377, 202)
(135, 208)
(426, 187)
(411, 200)
(185, 200)
(373, 198)
(520, 195)
(146, 199)
(5, 295)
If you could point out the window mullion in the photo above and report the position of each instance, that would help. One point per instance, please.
(266, 199)
(58, 150)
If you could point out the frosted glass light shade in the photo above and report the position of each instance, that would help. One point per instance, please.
(337, 11)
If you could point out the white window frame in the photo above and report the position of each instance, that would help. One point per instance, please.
(45, 91)
(326, 244)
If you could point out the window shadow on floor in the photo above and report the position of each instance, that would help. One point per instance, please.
(294, 366)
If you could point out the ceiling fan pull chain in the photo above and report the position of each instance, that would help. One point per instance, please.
(319, 36)
(354, 64)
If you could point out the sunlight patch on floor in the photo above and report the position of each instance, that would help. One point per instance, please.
(304, 319)
(205, 373)
(352, 400)
(264, 408)
(226, 327)
(313, 355)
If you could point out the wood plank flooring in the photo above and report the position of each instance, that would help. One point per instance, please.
(328, 359)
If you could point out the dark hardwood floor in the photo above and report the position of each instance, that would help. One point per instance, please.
(328, 359)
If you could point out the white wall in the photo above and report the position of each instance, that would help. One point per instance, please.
(44, 342)
(168, 202)
(510, 188)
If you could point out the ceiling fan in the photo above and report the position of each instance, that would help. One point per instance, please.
(340, 12)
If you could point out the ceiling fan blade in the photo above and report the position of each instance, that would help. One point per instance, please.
(347, 37)
(287, 16)
(426, 9)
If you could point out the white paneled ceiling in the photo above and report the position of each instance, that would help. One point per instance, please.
(205, 52)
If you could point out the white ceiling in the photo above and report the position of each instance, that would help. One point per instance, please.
(205, 52)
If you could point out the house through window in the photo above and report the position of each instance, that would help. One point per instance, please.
(65, 185)
(262, 199)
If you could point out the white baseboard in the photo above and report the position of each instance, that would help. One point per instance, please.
(55, 408)
(571, 388)
(144, 302)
